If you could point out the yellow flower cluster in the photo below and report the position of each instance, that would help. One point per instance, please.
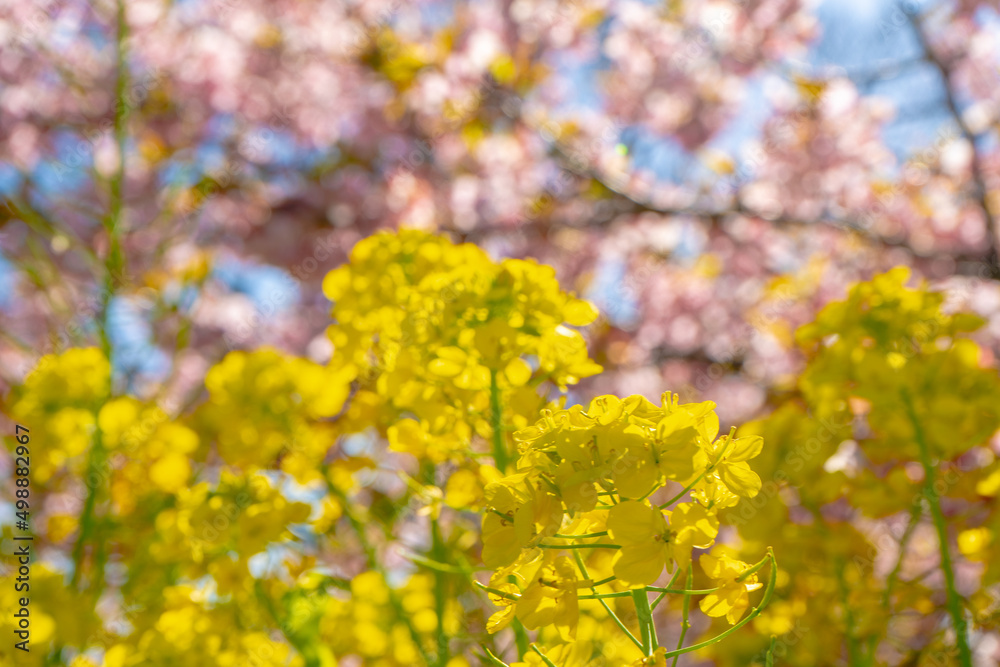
(67, 401)
(239, 516)
(221, 536)
(886, 439)
(892, 349)
(442, 333)
(153, 448)
(57, 616)
(586, 480)
(189, 630)
(61, 398)
(366, 624)
(265, 409)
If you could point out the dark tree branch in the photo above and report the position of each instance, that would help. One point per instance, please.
(980, 191)
(636, 205)
(623, 203)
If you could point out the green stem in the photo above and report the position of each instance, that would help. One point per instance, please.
(606, 596)
(853, 654)
(768, 592)
(265, 600)
(651, 589)
(686, 489)
(497, 592)
(40, 223)
(683, 591)
(544, 657)
(934, 502)
(663, 594)
(436, 565)
(710, 468)
(359, 529)
(756, 566)
(579, 546)
(495, 661)
(621, 626)
(438, 554)
(582, 536)
(95, 461)
(520, 638)
(113, 263)
(499, 447)
(115, 260)
(685, 615)
(440, 593)
(890, 582)
(645, 616)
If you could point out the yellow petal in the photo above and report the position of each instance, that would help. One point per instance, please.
(632, 522)
(445, 368)
(517, 372)
(695, 525)
(740, 479)
(676, 430)
(475, 377)
(742, 449)
(640, 565)
(452, 353)
(500, 620)
(580, 313)
(677, 462)
(710, 426)
(605, 409)
(723, 602)
(500, 545)
(637, 473)
(989, 486)
(973, 541)
(407, 436)
(463, 489)
(170, 473)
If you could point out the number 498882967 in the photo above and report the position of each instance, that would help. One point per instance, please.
(22, 464)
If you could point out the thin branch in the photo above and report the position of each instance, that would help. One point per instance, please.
(954, 599)
(628, 203)
(621, 626)
(978, 180)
